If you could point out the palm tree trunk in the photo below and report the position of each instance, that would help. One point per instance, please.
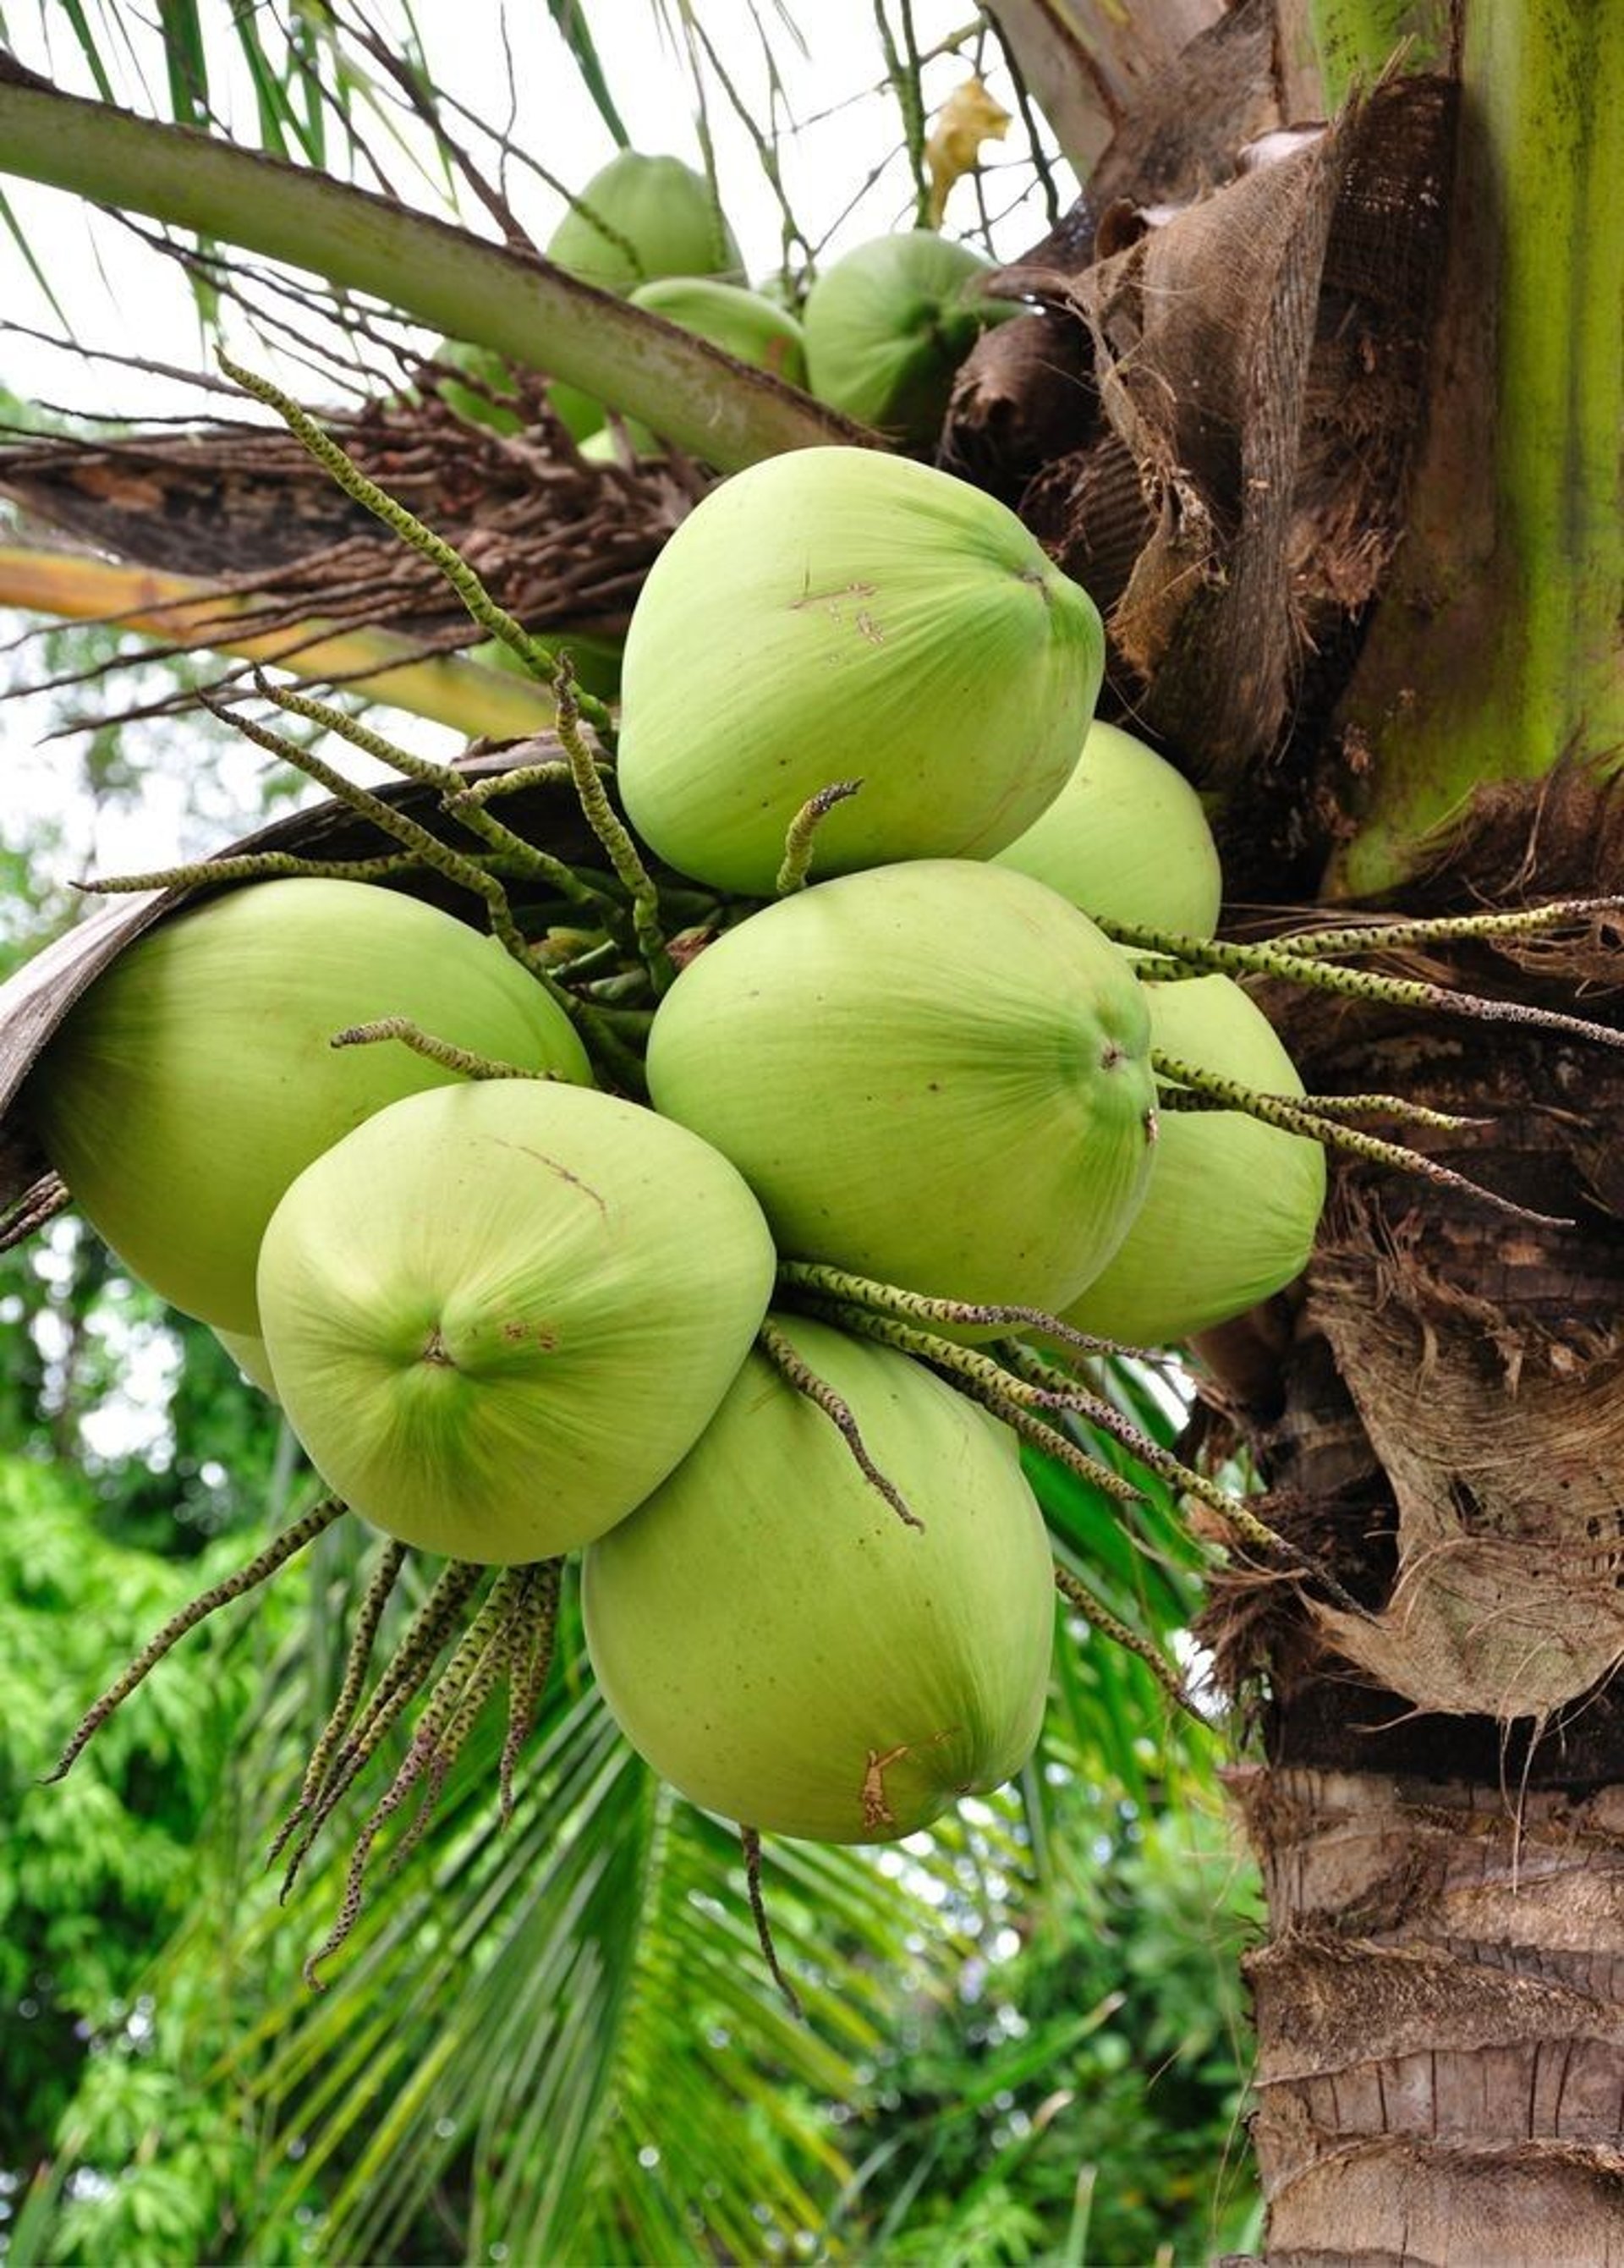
(1440, 1819)
(1441, 2061)
(1440, 1813)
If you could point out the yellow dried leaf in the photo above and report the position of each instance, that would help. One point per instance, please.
(969, 117)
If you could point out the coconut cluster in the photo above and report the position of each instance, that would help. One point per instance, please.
(878, 334)
(517, 1301)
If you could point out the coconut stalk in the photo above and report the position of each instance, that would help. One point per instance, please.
(457, 282)
(187, 612)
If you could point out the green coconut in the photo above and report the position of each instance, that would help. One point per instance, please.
(888, 325)
(935, 1073)
(775, 1641)
(741, 322)
(1127, 839)
(637, 219)
(596, 654)
(482, 402)
(247, 1350)
(835, 615)
(194, 1079)
(499, 1314)
(1233, 1205)
(640, 217)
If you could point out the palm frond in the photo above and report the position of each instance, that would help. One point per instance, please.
(572, 22)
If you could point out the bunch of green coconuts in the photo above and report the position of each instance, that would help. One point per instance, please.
(879, 334)
(516, 1313)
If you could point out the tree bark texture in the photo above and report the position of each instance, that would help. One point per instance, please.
(1441, 2020)
(1440, 1819)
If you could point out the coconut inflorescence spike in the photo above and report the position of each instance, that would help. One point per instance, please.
(1077, 1594)
(800, 842)
(403, 1674)
(259, 1570)
(780, 1350)
(535, 1638)
(379, 1589)
(536, 657)
(1188, 956)
(1194, 1089)
(750, 1847)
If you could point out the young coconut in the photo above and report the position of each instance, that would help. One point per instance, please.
(192, 1082)
(499, 1314)
(836, 615)
(1127, 839)
(247, 1350)
(485, 403)
(1233, 1205)
(637, 219)
(888, 325)
(935, 1073)
(640, 217)
(742, 323)
(785, 1649)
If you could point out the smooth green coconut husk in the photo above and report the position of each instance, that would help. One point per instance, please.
(1127, 839)
(742, 323)
(1229, 1214)
(195, 1078)
(499, 1314)
(659, 218)
(594, 655)
(838, 615)
(935, 1073)
(775, 1641)
(478, 404)
(247, 1350)
(888, 325)
(640, 217)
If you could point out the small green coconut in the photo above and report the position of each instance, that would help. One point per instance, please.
(482, 403)
(837, 614)
(637, 219)
(937, 1074)
(888, 325)
(640, 217)
(596, 655)
(247, 1350)
(751, 329)
(499, 1314)
(742, 323)
(1233, 1205)
(775, 1641)
(1127, 839)
(192, 1082)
